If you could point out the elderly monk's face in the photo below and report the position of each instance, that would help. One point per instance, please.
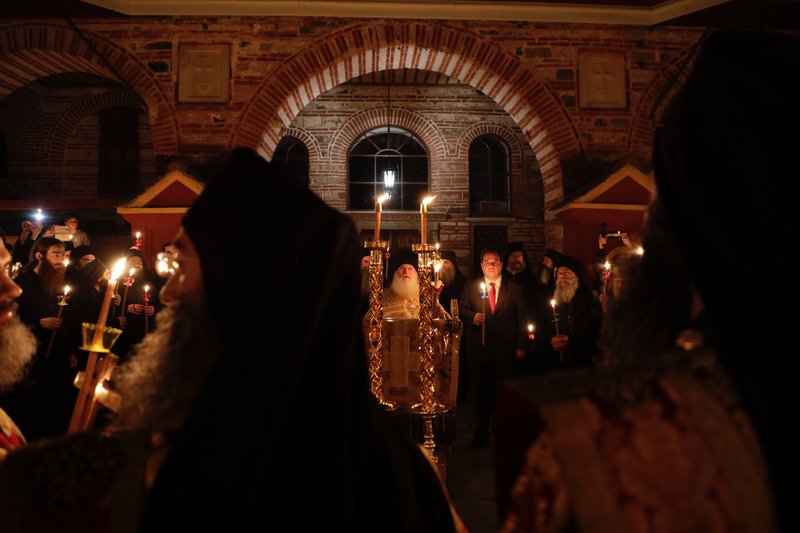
(406, 272)
(9, 291)
(187, 281)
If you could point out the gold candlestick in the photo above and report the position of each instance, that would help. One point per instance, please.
(375, 334)
(427, 399)
(62, 302)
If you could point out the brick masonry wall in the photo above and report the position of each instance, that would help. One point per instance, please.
(522, 77)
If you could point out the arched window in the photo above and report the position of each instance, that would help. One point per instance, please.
(374, 156)
(489, 173)
(291, 155)
(119, 151)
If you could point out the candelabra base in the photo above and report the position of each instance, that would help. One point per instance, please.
(435, 409)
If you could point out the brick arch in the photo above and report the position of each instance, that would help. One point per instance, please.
(369, 119)
(372, 47)
(654, 101)
(498, 130)
(73, 116)
(314, 152)
(31, 52)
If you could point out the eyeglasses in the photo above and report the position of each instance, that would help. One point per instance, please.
(491, 263)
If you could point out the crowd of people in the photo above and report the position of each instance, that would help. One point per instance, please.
(287, 431)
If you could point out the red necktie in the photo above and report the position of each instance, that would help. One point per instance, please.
(492, 297)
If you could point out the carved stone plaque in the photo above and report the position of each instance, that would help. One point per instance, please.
(204, 73)
(601, 80)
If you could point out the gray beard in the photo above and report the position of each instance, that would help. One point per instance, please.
(565, 292)
(17, 346)
(167, 370)
(405, 288)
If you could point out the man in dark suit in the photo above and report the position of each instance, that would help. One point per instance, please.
(490, 361)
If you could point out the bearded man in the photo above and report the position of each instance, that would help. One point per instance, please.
(240, 434)
(580, 318)
(401, 297)
(38, 309)
(17, 346)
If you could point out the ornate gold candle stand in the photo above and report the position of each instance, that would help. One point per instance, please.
(98, 367)
(428, 407)
(375, 335)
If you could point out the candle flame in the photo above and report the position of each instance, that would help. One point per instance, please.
(606, 265)
(437, 266)
(382, 198)
(70, 237)
(428, 199)
(483, 287)
(119, 266)
(39, 215)
(437, 246)
(530, 328)
(67, 288)
(138, 234)
(553, 303)
(146, 288)
(66, 263)
(131, 272)
(639, 250)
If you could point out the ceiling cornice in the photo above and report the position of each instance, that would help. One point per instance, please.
(437, 10)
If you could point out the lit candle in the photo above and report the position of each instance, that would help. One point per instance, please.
(555, 321)
(437, 266)
(531, 329)
(639, 250)
(101, 320)
(62, 301)
(66, 263)
(128, 283)
(423, 215)
(378, 210)
(146, 303)
(484, 296)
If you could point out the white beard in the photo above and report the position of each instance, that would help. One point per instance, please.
(565, 292)
(405, 288)
(161, 381)
(17, 346)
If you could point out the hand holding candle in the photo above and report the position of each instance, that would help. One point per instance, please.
(423, 214)
(138, 239)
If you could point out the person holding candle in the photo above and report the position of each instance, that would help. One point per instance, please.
(572, 341)
(505, 338)
(192, 388)
(42, 282)
(134, 308)
(17, 346)
(77, 236)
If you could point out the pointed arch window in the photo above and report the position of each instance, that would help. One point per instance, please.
(372, 160)
(489, 177)
(291, 155)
